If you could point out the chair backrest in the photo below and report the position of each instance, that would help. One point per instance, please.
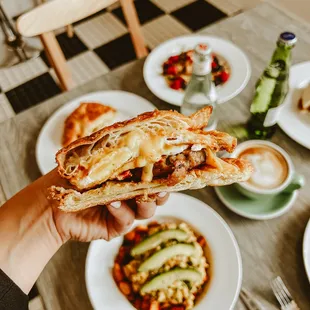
(56, 14)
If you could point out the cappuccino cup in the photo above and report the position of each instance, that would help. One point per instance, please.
(273, 170)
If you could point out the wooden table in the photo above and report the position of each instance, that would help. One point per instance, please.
(268, 248)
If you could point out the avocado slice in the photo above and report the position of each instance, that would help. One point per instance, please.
(156, 239)
(166, 279)
(159, 258)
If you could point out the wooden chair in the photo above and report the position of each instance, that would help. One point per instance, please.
(55, 14)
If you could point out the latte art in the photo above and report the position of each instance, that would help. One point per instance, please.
(270, 167)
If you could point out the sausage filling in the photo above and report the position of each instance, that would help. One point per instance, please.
(173, 167)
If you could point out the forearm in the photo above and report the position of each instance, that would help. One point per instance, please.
(28, 236)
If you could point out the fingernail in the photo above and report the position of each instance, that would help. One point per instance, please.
(162, 194)
(116, 204)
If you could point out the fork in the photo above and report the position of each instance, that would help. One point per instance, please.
(283, 295)
(249, 301)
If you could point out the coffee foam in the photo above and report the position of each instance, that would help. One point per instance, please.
(270, 167)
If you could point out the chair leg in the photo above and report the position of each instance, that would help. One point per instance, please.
(57, 60)
(70, 31)
(134, 28)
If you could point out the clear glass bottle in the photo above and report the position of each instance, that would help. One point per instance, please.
(200, 91)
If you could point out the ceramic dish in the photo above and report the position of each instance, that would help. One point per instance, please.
(306, 250)
(255, 209)
(240, 69)
(292, 121)
(128, 105)
(104, 293)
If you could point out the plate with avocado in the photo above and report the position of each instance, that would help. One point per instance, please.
(178, 260)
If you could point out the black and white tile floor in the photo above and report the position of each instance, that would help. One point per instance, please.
(101, 43)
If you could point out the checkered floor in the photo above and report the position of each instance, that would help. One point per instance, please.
(101, 43)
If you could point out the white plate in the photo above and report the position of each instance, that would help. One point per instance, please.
(295, 124)
(237, 60)
(306, 249)
(128, 105)
(226, 275)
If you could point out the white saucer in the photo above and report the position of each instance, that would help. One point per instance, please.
(264, 209)
(128, 105)
(237, 60)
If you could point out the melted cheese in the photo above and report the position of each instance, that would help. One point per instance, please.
(136, 149)
(197, 147)
(108, 164)
(212, 160)
(147, 173)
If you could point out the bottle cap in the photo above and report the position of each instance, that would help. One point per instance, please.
(203, 49)
(287, 38)
(202, 59)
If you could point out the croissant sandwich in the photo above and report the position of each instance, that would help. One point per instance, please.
(159, 151)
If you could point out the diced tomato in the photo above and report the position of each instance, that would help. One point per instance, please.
(123, 254)
(153, 224)
(224, 76)
(202, 241)
(125, 288)
(138, 238)
(138, 303)
(124, 249)
(131, 297)
(177, 83)
(145, 304)
(130, 236)
(173, 59)
(172, 70)
(205, 278)
(214, 65)
(141, 228)
(178, 308)
(117, 273)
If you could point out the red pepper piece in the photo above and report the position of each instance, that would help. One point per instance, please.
(172, 70)
(173, 59)
(177, 83)
(224, 76)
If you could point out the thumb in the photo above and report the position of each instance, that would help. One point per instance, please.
(122, 214)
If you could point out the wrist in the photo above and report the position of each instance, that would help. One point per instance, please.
(28, 251)
(28, 235)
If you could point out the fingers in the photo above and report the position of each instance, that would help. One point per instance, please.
(123, 216)
(161, 198)
(146, 207)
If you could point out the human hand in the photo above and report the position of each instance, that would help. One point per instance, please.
(32, 224)
(102, 222)
(105, 222)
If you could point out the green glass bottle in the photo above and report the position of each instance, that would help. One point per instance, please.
(271, 90)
